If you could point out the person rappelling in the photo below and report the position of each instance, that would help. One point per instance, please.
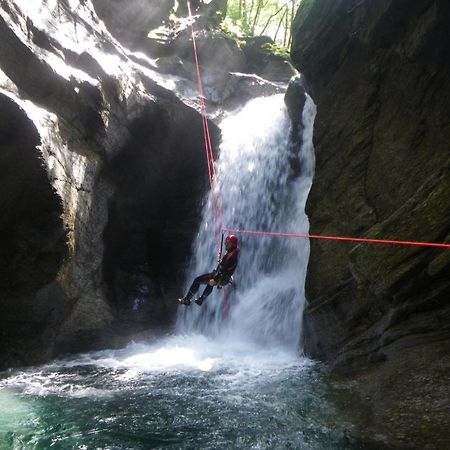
(220, 277)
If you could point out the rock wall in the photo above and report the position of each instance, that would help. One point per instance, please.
(102, 180)
(379, 73)
(131, 20)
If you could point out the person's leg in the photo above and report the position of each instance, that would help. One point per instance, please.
(202, 279)
(206, 292)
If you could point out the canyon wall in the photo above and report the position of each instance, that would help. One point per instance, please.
(102, 181)
(379, 314)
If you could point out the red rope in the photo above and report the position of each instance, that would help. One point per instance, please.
(216, 199)
(216, 203)
(225, 304)
(339, 238)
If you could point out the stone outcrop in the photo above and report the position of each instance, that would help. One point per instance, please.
(130, 20)
(263, 60)
(102, 180)
(233, 69)
(379, 73)
(33, 239)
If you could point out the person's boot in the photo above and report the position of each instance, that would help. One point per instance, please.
(184, 301)
(199, 301)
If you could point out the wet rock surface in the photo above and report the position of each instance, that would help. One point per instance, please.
(102, 180)
(379, 74)
(33, 242)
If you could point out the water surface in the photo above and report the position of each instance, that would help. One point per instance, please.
(184, 392)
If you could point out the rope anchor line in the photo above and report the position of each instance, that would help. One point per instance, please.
(216, 198)
(339, 238)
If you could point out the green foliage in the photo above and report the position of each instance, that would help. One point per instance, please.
(277, 50)
(231, 28)
(272, 18)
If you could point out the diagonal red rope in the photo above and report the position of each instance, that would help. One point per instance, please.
(339, 238)
(216, 199)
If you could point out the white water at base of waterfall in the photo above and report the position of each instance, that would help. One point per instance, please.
(182, 392)
(239, 384)
(258, 192)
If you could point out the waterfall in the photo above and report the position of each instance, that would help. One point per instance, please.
(258, 193)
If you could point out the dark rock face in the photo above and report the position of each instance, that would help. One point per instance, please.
(264, 62)
(33, 242)
(102, 179)
(295, 99)
(379, 73)
(159, 178)
(131, 20)
(32, 229)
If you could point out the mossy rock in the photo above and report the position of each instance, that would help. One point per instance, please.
(171, 64)
(266, 59)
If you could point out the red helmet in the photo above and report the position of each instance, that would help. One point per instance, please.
(232, 239)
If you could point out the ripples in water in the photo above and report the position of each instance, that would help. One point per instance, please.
(182, 393)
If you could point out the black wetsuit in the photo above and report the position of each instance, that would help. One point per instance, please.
(222, 275)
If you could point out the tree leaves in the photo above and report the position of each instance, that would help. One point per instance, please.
(264, 17)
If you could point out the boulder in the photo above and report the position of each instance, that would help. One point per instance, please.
(144, 15)
(219, 56)
(278, 69)
(266, 60)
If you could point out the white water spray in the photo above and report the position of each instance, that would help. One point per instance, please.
(259, 193)
(188, 391)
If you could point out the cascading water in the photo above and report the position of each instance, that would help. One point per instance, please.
(254, 181)
(190, 390)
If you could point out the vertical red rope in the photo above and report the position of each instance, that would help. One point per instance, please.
(216, 206)
(215, 187)
(216, 198)
(225, 304)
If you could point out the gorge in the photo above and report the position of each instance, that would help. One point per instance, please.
(103, 195)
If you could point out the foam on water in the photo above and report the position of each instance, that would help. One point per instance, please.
(173, 355)
(185, 391)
